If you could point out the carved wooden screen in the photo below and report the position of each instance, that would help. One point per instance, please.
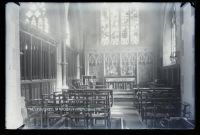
(95, 64)
(112, 64)
(145, 66)
(128, 64)
(138, 64)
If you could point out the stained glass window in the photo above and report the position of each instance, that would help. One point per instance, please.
(119, 24)
(134, 25)
(173, 37)
(105, 26)
(114, 23)
(124, 25)
(36, 16)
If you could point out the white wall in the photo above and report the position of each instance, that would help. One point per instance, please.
(187, 58)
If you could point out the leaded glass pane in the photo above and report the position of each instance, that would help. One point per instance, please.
(114, 18)
(134, 27)
(33, 22)
(40, 25)
(36, 16)
(119, 22)
(105, 33)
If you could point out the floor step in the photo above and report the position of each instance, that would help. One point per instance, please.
(124, 103)
(123, 112)
(123, 99)
(123, 92)
(122, 96)
(123, 107)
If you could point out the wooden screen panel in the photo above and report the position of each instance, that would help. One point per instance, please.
(37, 57)
(52, 61)
(25, 47)
(49, 61)
(22, 57)
(34, 55)
(38, 91)
(28, 57)
(33, 92)
(43, 90)
(23, 91)
(46, 88)
(45, 60)
(27, 92)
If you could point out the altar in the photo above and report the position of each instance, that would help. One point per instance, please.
(121, 82)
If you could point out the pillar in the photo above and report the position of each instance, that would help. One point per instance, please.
(13, 89)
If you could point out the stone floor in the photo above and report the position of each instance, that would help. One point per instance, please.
(130, 118)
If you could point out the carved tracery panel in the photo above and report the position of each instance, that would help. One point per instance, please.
(95, 60)
(128, 64)
(145, 66)
(112, 64)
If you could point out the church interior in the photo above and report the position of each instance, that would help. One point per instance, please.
(100, 65)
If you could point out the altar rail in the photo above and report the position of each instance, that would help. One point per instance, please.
(125, 83)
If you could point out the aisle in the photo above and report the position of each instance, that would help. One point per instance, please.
(129, 116)
(124, 109)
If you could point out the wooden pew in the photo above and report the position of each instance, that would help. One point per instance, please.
(35, 113)
(90, 105)
(156, 103)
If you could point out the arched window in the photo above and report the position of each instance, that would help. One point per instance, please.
(173, 36)
(36, 16)
(119, 24)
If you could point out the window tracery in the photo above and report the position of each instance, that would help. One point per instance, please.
(36, 17)
(119, 24)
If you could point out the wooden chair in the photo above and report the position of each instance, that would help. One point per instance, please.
(35, 117)
(77, 105)
(148, 109)
(166, 105)
(55, 117)
(100, 109)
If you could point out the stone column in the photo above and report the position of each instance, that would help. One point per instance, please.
(13, 89)
(59, 47)
(65, 23)
(59, 67)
